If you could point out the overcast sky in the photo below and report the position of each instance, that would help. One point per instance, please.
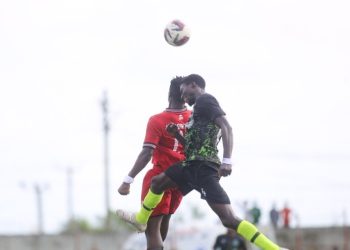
(280, 70)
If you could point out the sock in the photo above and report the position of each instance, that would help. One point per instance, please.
(151, 201)
(251, 233)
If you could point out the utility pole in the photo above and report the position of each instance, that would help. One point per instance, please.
(346, 232)
(39, 201)
(70, 212)
(106, 129)
(38, 191)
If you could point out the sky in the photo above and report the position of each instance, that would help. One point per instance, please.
(280, 70)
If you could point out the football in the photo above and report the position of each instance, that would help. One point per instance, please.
(176, 33)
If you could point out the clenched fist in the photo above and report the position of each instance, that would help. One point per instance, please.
(225, 169)
(124, 189)
(172, 129)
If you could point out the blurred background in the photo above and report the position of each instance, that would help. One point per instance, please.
(79, 80)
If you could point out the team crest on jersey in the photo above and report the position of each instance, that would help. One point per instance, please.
(181, 117)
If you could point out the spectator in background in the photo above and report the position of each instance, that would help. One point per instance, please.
(286, 213)
(230, 241)
(274, 216)
(255, 213)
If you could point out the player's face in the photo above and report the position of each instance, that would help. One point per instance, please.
(189, 93)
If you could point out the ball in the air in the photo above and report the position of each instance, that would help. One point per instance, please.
(176, 33)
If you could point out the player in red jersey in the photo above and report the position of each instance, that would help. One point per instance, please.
(164, 150)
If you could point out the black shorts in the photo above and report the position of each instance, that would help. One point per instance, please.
(201, 176)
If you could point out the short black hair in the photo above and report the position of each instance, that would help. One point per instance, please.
(194, 78)
(174, 90)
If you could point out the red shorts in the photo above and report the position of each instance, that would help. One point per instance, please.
(171, 198)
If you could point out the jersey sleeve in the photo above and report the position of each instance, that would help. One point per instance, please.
(208, 106)
(153, 133)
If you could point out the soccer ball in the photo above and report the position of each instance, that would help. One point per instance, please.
(176, 33)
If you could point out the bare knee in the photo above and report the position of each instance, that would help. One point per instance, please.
(156, 184)
(160, 183)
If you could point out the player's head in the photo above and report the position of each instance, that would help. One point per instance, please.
(174, 91)
(192, 86)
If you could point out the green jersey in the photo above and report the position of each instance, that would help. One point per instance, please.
(203, 135)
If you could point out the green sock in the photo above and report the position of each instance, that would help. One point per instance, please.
(151, 201)
(251, 233)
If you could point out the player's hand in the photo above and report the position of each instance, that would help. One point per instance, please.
(124, 189)
(172, 129)
(225, 169)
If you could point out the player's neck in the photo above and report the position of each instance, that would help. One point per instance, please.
(179, 106)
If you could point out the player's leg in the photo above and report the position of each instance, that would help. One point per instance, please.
(145, 195)
(156, 222)
(225, 214)
(157, 225)
(153, 233)
(164, 226)
(219, 202)
(175, 201)
(159, 184)
(171, 178)
(243, 227)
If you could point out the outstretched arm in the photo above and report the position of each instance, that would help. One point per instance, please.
(142, 160)
(227, 140)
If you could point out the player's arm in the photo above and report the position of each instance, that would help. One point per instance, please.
(174, 131)
(153, 134)
(141, 162)
(227, 140)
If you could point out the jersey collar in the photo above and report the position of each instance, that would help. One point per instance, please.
(175, 110)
